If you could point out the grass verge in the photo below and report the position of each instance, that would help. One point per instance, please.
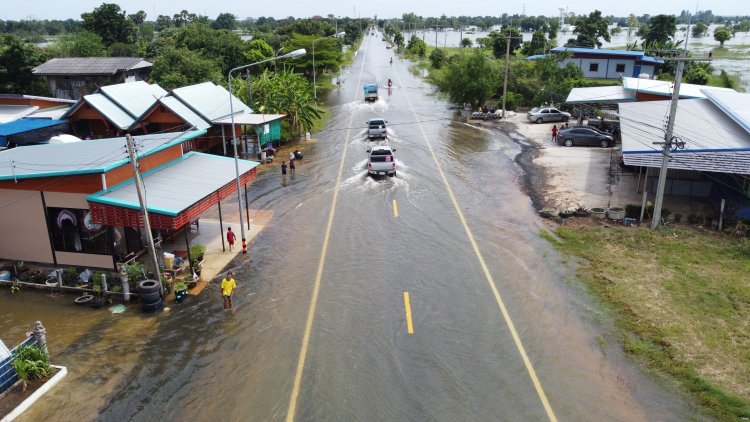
(681, 300)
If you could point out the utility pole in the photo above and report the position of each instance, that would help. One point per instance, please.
(669, 143)
(507, 59)
(144, 210)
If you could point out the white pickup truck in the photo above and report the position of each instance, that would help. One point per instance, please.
(381, 161)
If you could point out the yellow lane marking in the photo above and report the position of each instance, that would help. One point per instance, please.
(485, 270)
(395, 209)
(407, 307)
(321, 264)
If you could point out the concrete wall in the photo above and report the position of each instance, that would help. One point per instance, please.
(23, 226)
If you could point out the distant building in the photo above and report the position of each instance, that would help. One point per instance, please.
(610, 64)
(74, 77)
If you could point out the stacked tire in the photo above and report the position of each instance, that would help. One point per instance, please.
(150, 293)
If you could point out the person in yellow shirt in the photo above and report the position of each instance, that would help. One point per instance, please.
(227, 287)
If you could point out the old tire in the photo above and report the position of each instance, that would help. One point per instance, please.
(148, 286)
(151, 297)
(82, 300)
(604, 144)
(568, 142)
(152, 306)
(540, 120)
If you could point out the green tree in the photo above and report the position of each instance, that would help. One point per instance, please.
(225, 21)
(110, 22)
(470, 79)
(121, 49)
(590, 29)
(660, 28)
(78, 44)
(553, 26)
(17, 59)
(632, 24)
(498, 41)
(258, 50)
(138, 17)
(416, 46)
(183, 18)
(700, 29)
(697, 75)
(176, 67)
(327, 53)
(466, 43)
(398, 39)
(163, 22)
(283, 93)
(438, 58)
(224, 47)
(536, 45)
(722, 34)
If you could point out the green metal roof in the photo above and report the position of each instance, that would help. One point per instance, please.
(134, 97)
(209, 100)
(180, 109)
(175, 186)
(111, 110)
(85, 157)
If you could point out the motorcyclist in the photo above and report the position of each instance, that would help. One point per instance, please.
(391, 60)
(390, 84)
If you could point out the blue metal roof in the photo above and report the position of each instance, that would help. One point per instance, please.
(25, 125)
(134, 97)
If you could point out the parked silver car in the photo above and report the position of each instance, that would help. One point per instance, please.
(547, 114)
(376, 128)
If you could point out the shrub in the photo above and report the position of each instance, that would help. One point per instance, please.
(692, 218)
(665, 212)
(32, 362)
(677, 217)
(197, 251)
(632, 211)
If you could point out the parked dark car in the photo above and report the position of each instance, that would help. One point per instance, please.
(586, 136)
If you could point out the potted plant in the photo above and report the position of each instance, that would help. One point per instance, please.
(581, 211)
(180, 292)
(70, 276)
(599, 213)
(197, 252)
(32, 362)
(134, 272)
(97, 302)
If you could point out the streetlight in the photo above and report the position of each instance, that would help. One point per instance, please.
(338, 34)
(293, 54)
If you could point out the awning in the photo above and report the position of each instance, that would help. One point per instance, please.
(176, 193)
(249, 119)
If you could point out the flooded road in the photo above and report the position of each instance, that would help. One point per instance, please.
(501, 331)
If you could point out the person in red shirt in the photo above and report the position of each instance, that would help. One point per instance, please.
(230, 238)
(554, 133)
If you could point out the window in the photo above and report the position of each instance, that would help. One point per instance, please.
(620, 68)
(546, 110)
(593, 67)
(73, 231)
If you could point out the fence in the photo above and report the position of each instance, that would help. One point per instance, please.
(8, 375)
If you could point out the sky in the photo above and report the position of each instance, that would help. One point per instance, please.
(65, 9)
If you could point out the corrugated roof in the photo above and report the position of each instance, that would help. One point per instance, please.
(734, 104)
(174, 187)
(209, 100)
(87, 65)
(36, 97)
(598, 51)
(714, 142)
(180, 109)
(50, 113)
(25, 125)
(9, 113)
(658, 87)
(134, 97)
(109, 109)
(600, 94)
(249, 119)
(94, 156)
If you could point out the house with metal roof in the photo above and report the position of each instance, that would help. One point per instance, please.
(141, 108)
(609, 64)
(74, 77)
(74, 204)
(715, 161)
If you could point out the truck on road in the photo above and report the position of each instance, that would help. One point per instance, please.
(371, 92)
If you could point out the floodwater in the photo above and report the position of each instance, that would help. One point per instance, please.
(447, 248)
(734, 58)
